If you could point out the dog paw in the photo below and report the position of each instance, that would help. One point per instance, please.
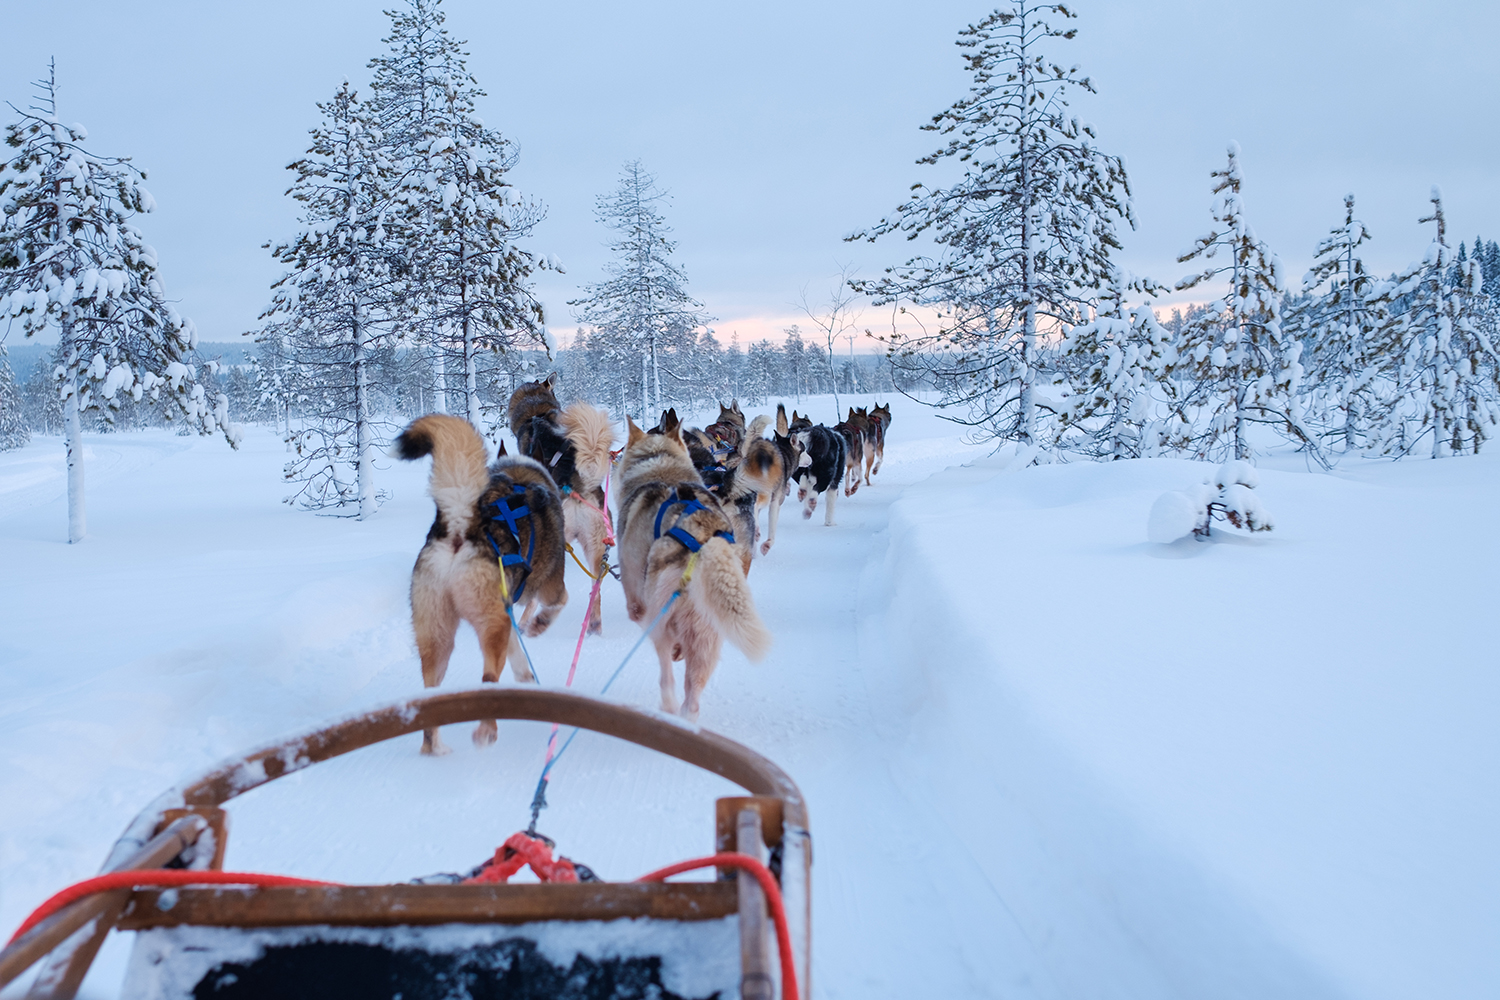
(669, 705)
(485, 733)
(433, 746)
(596, 628)
(765, 548)
(690, 713)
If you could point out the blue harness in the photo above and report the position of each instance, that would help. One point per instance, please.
(512, 516)
(689, 507)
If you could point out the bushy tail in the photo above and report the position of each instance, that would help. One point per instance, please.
(760, 465)
(719, 590)
(757, 427)
(459, 475)
(589, 430)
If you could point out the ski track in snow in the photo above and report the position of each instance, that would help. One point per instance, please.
(995, 811)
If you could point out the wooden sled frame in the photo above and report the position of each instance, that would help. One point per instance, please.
(774, 815)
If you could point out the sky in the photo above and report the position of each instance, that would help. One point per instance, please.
(781, 127)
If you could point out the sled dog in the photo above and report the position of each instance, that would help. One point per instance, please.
(674, 537)
(824, 451)
(511, 512)
(728, 432)
(880, 419)
(769, 465)
(854, 431)
(574, 446)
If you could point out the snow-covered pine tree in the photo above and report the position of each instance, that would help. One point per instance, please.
(72, 260)
(642, 305)
(1448, 371)
(1341, 322)
(1234, 363)
(14, 431)
(1024, 235)
(338, 304)
(1115, 365)
(460, 216)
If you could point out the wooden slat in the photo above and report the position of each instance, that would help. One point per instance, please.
(390, 905)
(755, 955)
(41, 939)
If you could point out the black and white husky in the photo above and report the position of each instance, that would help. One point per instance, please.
(821, 466)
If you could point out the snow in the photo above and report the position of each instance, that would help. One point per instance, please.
(1043, 756)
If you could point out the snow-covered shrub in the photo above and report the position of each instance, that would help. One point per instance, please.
(1228, 495)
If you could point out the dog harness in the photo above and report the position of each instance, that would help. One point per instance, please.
(512, 516)
(681, 534)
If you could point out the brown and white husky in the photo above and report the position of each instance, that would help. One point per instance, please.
(574, 446)
(510, 510)
(769, 465)
(670, 522)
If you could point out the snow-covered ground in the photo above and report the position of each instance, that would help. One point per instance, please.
(1043, 756)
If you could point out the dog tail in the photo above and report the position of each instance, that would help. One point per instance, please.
(757, 427)
(459, 475)
(588, 429)
(761, 465)
(719, 589)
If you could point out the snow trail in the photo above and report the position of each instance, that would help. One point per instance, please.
(1042, 757)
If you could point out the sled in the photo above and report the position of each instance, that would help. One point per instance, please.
(747, 933)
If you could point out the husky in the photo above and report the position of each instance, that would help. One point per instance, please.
(880, 419)
(825, 453)
(725, 474)
(674, 536)
(574, 445)
(509, 512)
(728, 432)
(769, 465)
(855, 432)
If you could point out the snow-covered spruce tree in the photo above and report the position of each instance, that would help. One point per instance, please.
(642, 306)
(1024, 235)
(1447, 370)
(14, 431)
(460, 217)
(1233, 362)
(1115, 365)
(1340, 321)
(338, 303)
(73, 261)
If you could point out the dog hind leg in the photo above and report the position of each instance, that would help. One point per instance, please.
(772, 515)
(665, 649)
(832, 494)
(435, 621)
(702, 657)
(494, 642)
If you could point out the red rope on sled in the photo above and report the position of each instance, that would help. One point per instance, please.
(521, 849)
(158, 878)
(745, 862)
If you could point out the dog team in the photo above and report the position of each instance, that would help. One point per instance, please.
(688, 505)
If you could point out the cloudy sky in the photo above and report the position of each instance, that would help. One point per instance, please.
(780, 127)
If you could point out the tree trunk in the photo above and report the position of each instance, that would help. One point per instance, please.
(440, 378)
(645, 387)
(365, 466)
(73, 436)
(655, 373)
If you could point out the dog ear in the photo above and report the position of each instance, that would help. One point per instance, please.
(780, 420)
(501, 453)
(635, 433)
(670, 425)
(734, 404)
(550, 381)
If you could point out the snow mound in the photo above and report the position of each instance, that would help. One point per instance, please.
(1175, 515)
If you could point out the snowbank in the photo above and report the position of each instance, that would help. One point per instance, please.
(1247, 768)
